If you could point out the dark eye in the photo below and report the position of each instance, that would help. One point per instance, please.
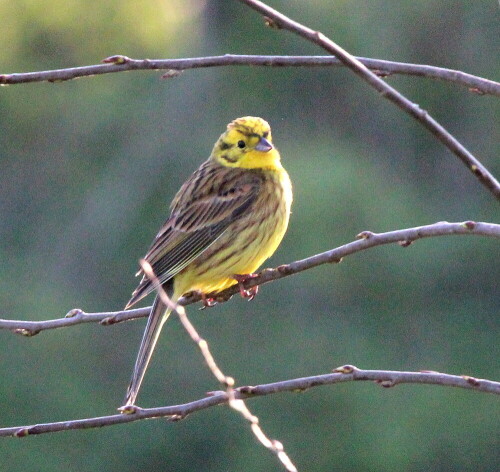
(241, 144)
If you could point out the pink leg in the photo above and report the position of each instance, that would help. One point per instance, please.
(246, 293)
(207, 301)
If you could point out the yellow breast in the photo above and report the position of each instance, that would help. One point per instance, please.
(246, 243)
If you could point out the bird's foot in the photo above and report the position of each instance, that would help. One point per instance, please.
(208, 302)
(246, 292)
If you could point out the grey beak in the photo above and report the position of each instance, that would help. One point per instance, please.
(264, 145)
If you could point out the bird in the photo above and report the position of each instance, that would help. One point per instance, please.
(225, 221)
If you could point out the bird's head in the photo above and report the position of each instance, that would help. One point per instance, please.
(247, 144)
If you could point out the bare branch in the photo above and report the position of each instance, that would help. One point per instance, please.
(382, 68)
(73, 317)
(348, 373)
(366, 240)
(236, 404)
(280, 21)
(188, 326)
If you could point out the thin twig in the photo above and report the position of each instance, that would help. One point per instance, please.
(236, 404)
(348, 373)
(366, 240)
(73, 317)
(280, 21)
(188, 326)
(383, 68)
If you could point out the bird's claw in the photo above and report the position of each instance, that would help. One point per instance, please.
(249, 293)
(208, 302)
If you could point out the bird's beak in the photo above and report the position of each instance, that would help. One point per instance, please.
(263, 145)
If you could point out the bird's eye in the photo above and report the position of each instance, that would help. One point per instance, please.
(241, 144)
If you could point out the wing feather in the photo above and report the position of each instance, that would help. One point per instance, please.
(201, 213)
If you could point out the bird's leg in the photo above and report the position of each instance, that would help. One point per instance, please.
(208, 302)
(241, 279)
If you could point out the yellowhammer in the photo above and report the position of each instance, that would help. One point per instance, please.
(225, 221)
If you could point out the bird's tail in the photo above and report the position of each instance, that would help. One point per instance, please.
(159, 314)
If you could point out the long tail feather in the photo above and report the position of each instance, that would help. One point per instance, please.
(159, 314)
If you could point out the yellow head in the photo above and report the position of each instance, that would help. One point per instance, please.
(247, 144)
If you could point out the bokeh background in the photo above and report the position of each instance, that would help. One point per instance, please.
(88, 168)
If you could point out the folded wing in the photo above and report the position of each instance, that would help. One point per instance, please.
(201, 212)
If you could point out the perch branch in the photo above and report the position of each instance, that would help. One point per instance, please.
(280, 21)
(347, 373)
(383, 68)
(365, 240)
(236, 404)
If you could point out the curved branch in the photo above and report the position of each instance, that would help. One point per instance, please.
(280, 21)
(382, 68)
(348, 373)
(365, 240)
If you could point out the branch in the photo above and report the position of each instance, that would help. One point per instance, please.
(274, 18)
(73, 317)
(365, 240)
(382, 68)
(236, 404)
(278, 20)
(385, 378)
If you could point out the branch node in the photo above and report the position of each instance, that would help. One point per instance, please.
(4, 79)
(336, 260)
(108, 321)
(73, 313)
(476, 170)
(471, 380)
(277, 445)
(469, 224)
(246, 390)
(118, 59)
(270, 23)
(228, 381)
(284, 269)
(129, 409)
(386, 383)
(476, 91)
(365, 235)
(26, 332)
(381, 73)
(345, 369)
(320, 36)
(171, 73)
(175, 418)
(405, 243)
(22, 433)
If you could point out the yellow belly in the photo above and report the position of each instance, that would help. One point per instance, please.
(241, 249)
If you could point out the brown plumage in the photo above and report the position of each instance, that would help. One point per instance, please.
(226, 219)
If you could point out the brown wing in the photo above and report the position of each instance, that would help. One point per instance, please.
(202, 210)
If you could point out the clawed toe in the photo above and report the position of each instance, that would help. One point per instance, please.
(249, 293)
(208, 302)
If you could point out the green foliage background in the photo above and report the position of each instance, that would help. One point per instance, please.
(88, 167)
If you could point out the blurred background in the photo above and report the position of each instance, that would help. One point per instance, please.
(89, 167)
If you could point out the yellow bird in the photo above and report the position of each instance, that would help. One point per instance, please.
(225, 221)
